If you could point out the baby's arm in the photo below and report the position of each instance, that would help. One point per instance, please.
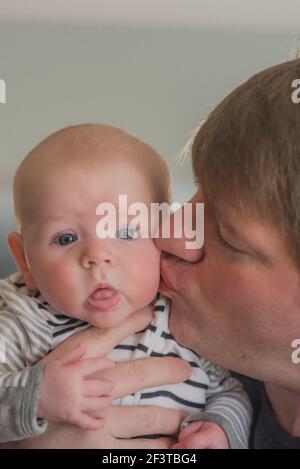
(62, 377)
(18, 419)
(226, 419)
(57, 391)
(19, 384)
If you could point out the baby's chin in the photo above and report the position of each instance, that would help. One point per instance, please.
(100, 319)
(106, 320)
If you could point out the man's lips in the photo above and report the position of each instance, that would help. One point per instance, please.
(165, 283)
(162, 285)
(104, 298)
(171, 270)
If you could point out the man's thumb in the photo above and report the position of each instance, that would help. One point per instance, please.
(75, 355)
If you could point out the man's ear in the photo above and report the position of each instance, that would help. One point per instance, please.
(16, 246)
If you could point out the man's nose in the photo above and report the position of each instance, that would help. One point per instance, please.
(176, 244)
(177, 247)
(98, 253)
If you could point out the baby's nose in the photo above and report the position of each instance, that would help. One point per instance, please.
(97, 254)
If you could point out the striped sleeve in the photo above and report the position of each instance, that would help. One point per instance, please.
(18, 416)
(19, 384)
(227, 405)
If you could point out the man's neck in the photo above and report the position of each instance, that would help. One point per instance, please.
(286, 406)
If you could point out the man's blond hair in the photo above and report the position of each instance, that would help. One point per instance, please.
(247, 153)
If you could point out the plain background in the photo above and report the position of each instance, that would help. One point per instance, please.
(153, 68)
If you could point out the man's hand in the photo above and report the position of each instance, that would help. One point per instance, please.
(123, 424)
(69, 394)
(202, 435)
(100, 342)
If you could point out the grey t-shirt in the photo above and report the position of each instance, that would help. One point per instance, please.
(268, 433)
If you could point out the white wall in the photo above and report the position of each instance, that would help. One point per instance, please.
(276, 15)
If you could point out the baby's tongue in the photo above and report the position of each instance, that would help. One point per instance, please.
(103, 293)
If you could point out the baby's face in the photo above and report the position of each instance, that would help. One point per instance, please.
(101, 281)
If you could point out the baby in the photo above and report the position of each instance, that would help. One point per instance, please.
(70, 278)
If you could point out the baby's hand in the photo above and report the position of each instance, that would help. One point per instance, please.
(69, 395)
(202, 435)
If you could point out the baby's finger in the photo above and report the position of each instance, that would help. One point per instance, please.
(92, 365)
(198, 440)
(94, 404)
(191, 428)
(95, 387)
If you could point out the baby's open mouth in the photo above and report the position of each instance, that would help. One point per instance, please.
(104, 298)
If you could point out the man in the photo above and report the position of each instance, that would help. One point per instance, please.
(239, 303)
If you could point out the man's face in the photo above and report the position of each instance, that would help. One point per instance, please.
(239, 303)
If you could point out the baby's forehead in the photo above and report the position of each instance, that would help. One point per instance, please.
(88, 154)
(78, 190)
(75, 156)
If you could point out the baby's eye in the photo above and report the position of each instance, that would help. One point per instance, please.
(127, 233)
(65, 239)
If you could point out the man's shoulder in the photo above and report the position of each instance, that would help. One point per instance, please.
(268, 433)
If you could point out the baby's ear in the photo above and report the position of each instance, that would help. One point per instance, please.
(16, 246)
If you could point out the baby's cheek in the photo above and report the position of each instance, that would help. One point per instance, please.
(147, 275)
(59, 296)
(58, 288)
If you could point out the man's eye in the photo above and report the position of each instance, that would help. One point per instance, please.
(65, 239)
(127, 233)
(228, 246)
